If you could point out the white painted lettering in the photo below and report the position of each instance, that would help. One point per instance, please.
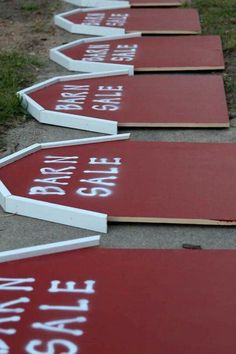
(67, 107)
(95, 191)
(105, 107)
(110, 95)
(79, 95)
(61, 159)
(117, 20)
(100, 180)
(108, 100)
(9, 331)
(110, 171)
(82, 306)
(93, 19)
(53, 180)
(4, 305)
(96, 52)
(70, 100)
(104, 161)
(51, 347)
(46, 190)
(12, 284)
(76, 98)
(76, 87)
(59, 326)
(110, 88)
(124, 52)
(60, 171)
(4, 348)
(70, 287)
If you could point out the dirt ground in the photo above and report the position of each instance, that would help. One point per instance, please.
(35, 33)
(29, 30)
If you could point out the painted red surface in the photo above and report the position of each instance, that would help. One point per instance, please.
(146, 99)
(147, 20)
(154, 179)
(183, 52)
(144, 301)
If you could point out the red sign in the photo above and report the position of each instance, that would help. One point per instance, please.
(129, 180)
(150, 53)
(119, 301)
(140, 100)
(146, 20)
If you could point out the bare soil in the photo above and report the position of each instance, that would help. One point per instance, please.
(29, 30)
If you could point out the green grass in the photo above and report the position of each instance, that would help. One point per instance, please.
(219, 17)
(17, 70)
(30, 7)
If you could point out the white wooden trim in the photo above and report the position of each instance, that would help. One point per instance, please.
(96, 30)
(61, 214)
(116, 4)
(98, 3)
(80, 28)
(4, 193)
(97, 39)
(105, 7)
(60, 58)
(63, 23)
(108, 38)
(19, 154)
(50, 211)
(99, 139)
(32, 106)
(85, 29)
(39, 85)
(36, 147)
(86, 66)
(56, 79)
(92, 75)
(72, 27)
(49, 248)
(90, 9)
(68, 45)
(75, 121)
(79, 122)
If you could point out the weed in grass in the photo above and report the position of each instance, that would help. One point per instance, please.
(42, 5)
(17, 70)
(30, 7)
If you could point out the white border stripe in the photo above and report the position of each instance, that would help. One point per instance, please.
(58, 213)
(50, 248)
(99, 139)
(99, 3)
(19, 154)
